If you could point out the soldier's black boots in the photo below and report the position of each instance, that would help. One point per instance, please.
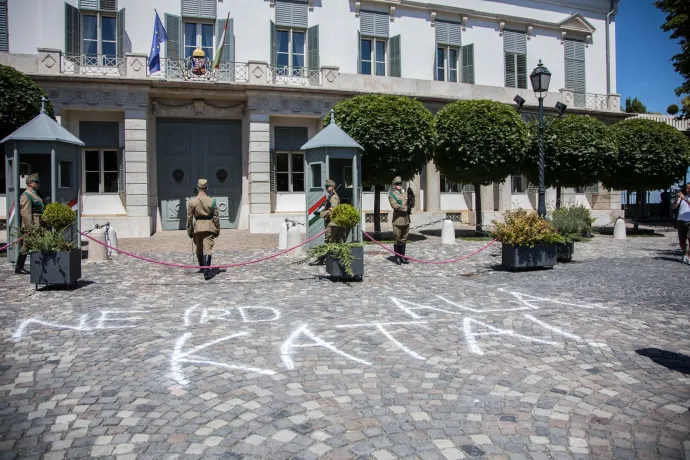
(200, 259)
(398, 250)
(19, 268)
(319, 261)
(207, 272)
(403, 246)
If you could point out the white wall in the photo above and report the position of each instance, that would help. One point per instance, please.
(338, 33)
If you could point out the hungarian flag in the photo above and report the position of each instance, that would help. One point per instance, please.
(219, 52)
(313, 217)
(11, 213)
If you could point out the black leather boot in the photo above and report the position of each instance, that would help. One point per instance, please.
(200, 259)
(19, 268)
(319, 261)
(396, 248)
(207, 272)
(403, 246)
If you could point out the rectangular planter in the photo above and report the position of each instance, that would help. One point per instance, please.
(61, 268)
(516, 257)
(565, 251)
(335, 268)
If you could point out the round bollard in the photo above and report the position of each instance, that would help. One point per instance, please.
(294, 237)
(97, 252)
(619, 230)
(282, 237)
(112, 241)
(448, 232)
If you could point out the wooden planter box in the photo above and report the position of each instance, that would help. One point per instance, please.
(59, 268)
(517, 257)
(335, 268)
(565, 251)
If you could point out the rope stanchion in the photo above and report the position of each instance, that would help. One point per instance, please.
(432, 262)
(213, 267)
(9, 244)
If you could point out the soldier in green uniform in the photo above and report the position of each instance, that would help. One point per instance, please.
(333, 232)
(401, 219)
(31, 206)
(203, 225)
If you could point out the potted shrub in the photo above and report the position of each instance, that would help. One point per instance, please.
(574, 223)
(528, 240)
(343, 259)
(54, 260)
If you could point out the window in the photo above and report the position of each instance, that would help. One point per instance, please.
(575, 70)
(101, 171)
(290, 50)
(515, 54)
(66, 168)
(347, 176)
(316, 176)
(373, 56)
(289, 171)
(99, 38)
(448, 186)
(198, 35)
(518, 184)
(447, 63)
(4, 42)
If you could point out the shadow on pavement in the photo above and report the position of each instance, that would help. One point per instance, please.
(669, 359)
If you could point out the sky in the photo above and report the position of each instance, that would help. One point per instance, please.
(644, 69)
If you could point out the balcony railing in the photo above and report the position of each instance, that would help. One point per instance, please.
(189, 70)
(294, 76)
(591, 101)
(94, 65)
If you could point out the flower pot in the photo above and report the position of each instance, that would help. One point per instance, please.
(565, 251)
(59, 268)
(335, 268)
(516, 257)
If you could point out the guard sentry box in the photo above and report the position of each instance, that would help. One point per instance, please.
(331, 154)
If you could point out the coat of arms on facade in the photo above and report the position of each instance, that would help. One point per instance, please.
(198, 67)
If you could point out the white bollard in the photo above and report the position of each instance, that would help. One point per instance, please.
(282, 237)
(112, 240)
(97, 252)
(448, 232)
(619, 230)
(294, 237)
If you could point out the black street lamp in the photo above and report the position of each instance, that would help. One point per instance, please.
(540, 79)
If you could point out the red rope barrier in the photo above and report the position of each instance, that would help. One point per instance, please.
(10, 244)
(213, 267)
(432, 262)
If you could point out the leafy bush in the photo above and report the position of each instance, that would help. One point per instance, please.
(346, 216)
(521, 228)
(338, 250)
(58, 216)
(572, 222)
(20, 100)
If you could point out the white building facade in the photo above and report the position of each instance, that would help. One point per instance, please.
(285, 63)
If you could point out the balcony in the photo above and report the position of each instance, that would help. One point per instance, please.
(260, 74)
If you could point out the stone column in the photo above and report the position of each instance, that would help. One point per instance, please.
(136, 164)
(504, 195)
(487, 198)
(416, 185)
(550, 198)
(259, 164)
(432, 193)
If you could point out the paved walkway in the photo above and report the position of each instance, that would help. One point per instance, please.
(589, 359)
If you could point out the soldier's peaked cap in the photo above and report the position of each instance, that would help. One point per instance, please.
(32, 178)
(397, 180)
(330, 183)
(202, 183)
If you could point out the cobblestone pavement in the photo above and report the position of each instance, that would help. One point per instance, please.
(589, 359)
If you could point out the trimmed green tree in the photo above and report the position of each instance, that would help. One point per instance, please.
(673, 110)
(479, 142)
(20, 100)
(576, 151)
(651, 155)
(635, 106)
(397, 134)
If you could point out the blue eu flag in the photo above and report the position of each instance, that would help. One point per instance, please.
(159, 36)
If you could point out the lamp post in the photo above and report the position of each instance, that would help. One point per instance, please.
(540, 78)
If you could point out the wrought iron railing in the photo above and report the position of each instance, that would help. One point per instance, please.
(186, 69)
(591, 101)
(294, 76)
(94, 65)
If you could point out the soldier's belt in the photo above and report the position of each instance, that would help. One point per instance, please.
(204, 218)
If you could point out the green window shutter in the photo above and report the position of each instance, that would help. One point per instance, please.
(575, 76)
(448, 33)
(229, 43)
(291, 13)
(521, 64)
(273, 44)
(88, 5)
(282, 138)
(72, 31)
(298, 137)
(173, 26)
(299, 14)
(510, 70)
(359, 52)
(436, 60)
(190, 8)
(273, 171)
(207, 9)
(395, 65)
(374, 24)
(4, 39)
(120, 20)
(467, 53)
(515, 51)
(121, 171)
(99, 134)
(313, 48)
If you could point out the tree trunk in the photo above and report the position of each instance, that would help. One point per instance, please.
(478, 207)
(558, 197)
(377, 212)
(638, 210)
